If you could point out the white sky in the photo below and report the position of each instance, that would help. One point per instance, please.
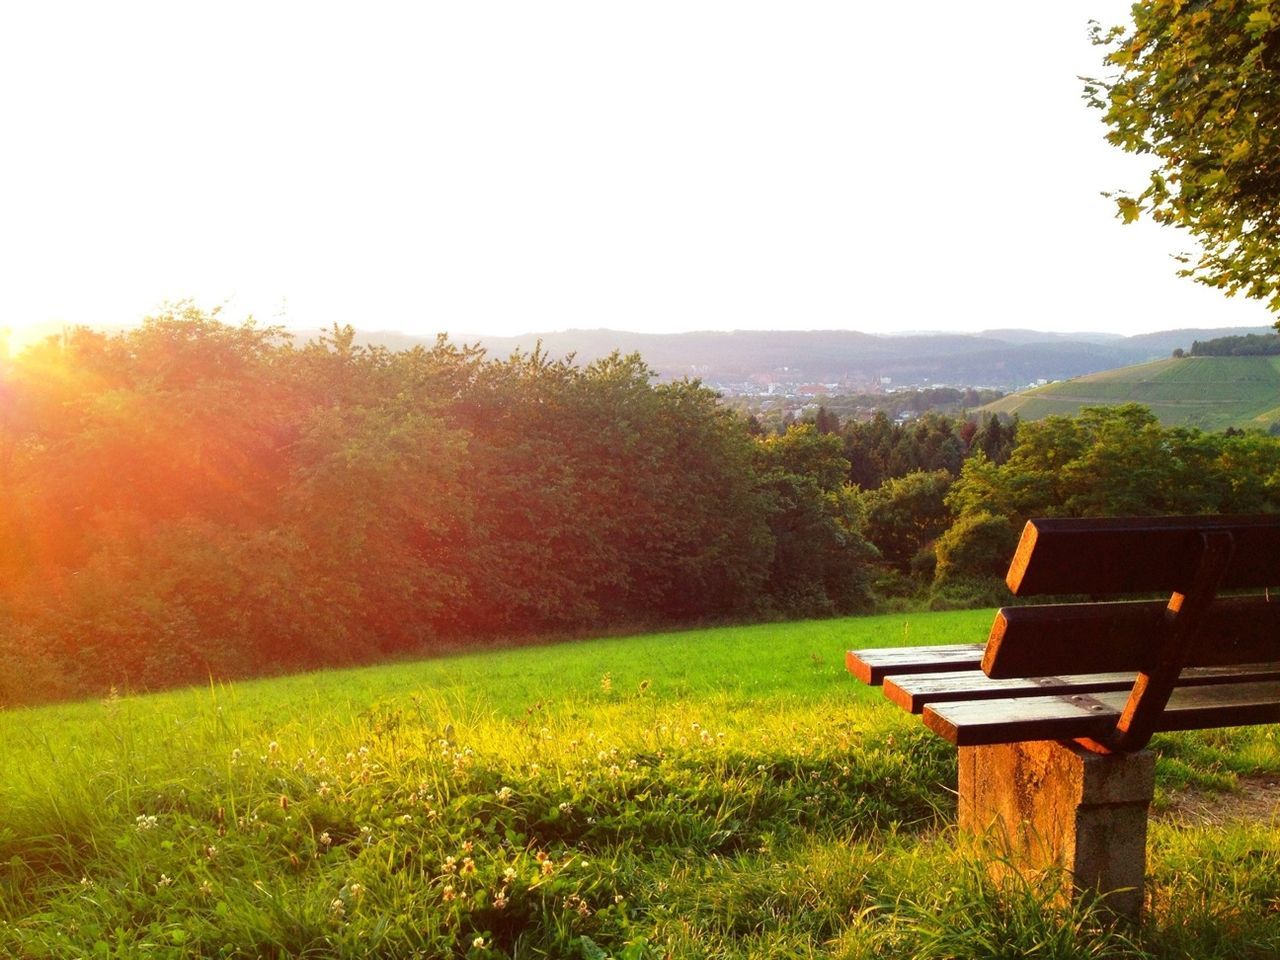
(503, 167)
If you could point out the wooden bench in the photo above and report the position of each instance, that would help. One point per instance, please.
(1053, 714)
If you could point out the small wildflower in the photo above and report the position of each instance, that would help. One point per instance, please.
(509, 874)
(355, 891)
(478, 943)
(86, 882)
(606, 682)
(164, 881)
(145, 822)
(273, 748)
(617, 898)
(449, 866)
(467, 846)
(447, 893)
(211, 852)
(206, 888)
(503, 794)
(235, 755)
(337, 907)
(325, 839)
(468, 867)
(500, 900)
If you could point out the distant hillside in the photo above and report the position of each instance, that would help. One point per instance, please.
(1004, 359)
(1211, 393)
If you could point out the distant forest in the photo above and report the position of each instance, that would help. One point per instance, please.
(1250, 345)
(193, 499)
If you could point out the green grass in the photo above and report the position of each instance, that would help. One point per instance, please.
(725, 793)
(1211, 393)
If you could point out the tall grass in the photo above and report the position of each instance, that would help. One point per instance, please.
(725, 793)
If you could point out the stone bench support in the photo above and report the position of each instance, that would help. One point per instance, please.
(1057, 804)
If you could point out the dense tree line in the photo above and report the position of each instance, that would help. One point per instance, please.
(949, 401)
(881, 449)
(1249, 345)
(946, 537)
(193, 498)
(1107, 461)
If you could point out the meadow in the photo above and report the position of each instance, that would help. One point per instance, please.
(726, 792)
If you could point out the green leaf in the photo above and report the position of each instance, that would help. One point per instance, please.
(1128, 208)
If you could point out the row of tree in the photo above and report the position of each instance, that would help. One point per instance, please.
(1249, 345)
(192, 498)
(1108, 461)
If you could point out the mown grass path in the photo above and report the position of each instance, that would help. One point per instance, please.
(726, 793)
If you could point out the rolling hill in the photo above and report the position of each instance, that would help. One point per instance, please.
(1005, 359)
(1211, 393)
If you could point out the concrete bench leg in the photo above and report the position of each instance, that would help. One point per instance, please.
(1059, 805)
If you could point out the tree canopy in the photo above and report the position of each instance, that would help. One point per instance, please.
(191, 499)
(1197, 87)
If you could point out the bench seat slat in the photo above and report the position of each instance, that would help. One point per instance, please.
(872, 666)
(913, 692)
(1138, 554)
(1105, 637)
(981, 722)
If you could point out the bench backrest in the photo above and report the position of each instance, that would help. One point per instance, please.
(1190, 558)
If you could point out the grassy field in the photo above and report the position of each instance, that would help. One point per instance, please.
(1211, 393)
(718, 793)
